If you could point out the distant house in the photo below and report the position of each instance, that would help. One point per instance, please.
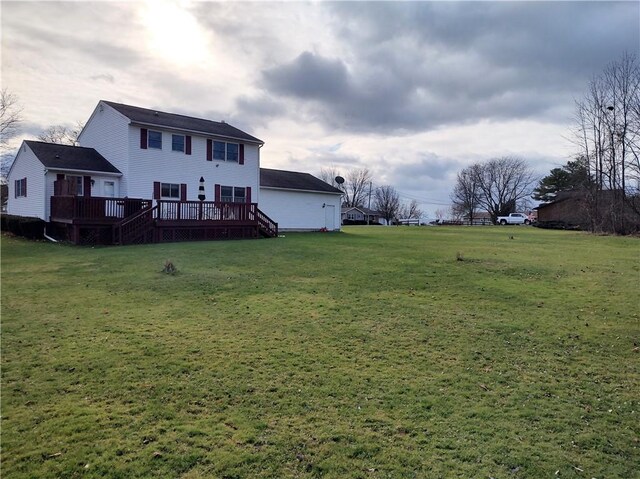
(357, 214)
(143, 175)
(301, 201)
(601, 210)
(569, 209)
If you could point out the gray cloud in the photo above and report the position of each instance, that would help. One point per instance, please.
(310, 77)
(417, 66)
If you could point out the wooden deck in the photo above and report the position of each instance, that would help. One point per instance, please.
(98, 220)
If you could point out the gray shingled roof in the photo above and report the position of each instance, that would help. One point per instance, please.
(293, 180)
(66, 157)
(181, 122)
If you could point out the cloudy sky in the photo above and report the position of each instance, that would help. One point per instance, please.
(413, 91)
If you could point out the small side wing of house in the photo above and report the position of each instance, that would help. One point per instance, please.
(40, 168)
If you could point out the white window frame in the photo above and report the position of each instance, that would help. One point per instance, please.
(104, 188)
(226, 151)
(184, 143)
(233, 197)
(19, 185)
(149, 140)
(170, 196)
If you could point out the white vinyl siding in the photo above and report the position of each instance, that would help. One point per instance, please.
(27, 166)
(108, 132)
(299, 210)
(148, 166)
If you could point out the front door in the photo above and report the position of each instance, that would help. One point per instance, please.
(109, 189)
(330, 217)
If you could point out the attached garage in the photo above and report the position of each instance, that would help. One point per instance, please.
(299, 201)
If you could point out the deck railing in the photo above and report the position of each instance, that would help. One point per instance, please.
(170, 210)
(95, 207)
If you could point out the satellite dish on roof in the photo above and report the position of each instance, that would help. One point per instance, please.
(339, 180)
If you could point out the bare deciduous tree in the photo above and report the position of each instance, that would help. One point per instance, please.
(62, 134)
(411, 210)
(329, 175)
(10, 117)
(502, 182)
(356, 188)
(497, 186)
(608, 137)
(387, 202)
(465, 193)
(10, 120)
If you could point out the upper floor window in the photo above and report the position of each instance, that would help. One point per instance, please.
(21, 187)
(155, 139)
(177, 143)
(225, 151)
(219, 150)
(170, 190)
(232, 152)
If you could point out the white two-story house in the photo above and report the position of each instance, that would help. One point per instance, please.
(133, 160)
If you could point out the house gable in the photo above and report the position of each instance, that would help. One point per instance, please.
(26, 185)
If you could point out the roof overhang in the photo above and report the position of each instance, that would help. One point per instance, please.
(202, 133)
(299, 191)
(71, 170)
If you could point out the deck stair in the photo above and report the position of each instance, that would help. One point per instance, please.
(138, 228)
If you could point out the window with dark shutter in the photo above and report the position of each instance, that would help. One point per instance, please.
(209, 149)
(219, 150)
(20, 188)
(178, 143)
(187, 145)
(155, 139)
(143, 138)
(232, 152)
(170, 191)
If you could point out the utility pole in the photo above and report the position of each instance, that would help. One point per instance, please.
(369, 207)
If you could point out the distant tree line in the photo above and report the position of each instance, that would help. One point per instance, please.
(359, 191)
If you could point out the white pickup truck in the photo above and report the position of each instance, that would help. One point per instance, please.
(514, 219)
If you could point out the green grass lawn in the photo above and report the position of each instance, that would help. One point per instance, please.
(370, 353)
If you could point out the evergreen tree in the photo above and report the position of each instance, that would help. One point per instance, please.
(574, 175)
